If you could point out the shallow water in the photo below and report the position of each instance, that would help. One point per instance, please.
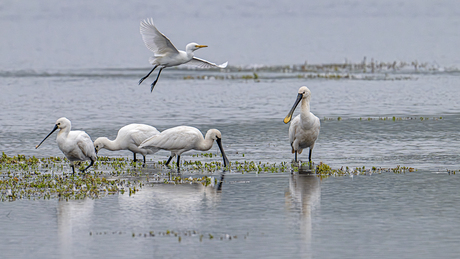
(87, 70)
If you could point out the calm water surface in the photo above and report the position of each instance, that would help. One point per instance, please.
(83, 61)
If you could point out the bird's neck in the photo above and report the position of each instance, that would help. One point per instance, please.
(205, 144)
(305, 106)
(110, 144)
(189, 53)
(63, 133)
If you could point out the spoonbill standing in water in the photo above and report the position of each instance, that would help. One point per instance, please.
(304, 128)
(129, 138)
(76, 145)
(166, 55)
(184, 138)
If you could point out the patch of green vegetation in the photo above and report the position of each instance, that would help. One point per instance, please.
(34, 178)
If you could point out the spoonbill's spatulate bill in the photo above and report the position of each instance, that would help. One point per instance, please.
(304, 128)
(76, 145)
(166, 55)
(184, 138)
(129, 138)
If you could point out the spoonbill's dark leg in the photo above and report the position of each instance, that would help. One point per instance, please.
(309, 156)
(178, 159)
(156, 80)
(90, 164)
(142, 79)
(295, 157)
(73, 168)
(169, 160)
(219, 186)
(144, 160)
(135, 158)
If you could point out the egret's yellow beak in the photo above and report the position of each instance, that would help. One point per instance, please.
(201, 46)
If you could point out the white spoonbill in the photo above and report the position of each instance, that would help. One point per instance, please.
(129, 138)
(166, 55)
(304, 128)
(76, 145)
(184, 138)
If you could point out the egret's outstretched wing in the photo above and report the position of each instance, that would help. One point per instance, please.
(155, 40)
(201, 63)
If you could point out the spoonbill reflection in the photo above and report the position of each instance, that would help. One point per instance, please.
(76, 145)
(304, 128)
(129, 138)
(184, 138)
(166, 55)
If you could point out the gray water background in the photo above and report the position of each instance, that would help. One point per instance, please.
(83, 59)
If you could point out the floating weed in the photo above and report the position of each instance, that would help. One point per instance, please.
(180, 235)
(46, 178)
(324, 170)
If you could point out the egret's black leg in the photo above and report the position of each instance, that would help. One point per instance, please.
(73, 168)
(309, 156)
(155, 82)
(90, 164)
(135, 158)
(169, 160)
(144, 160)
(142, 79)
(295, 157)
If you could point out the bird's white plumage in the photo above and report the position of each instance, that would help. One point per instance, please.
(129, 137)
(180, 139)
(166, 54)
(76, 145)
(184, 138)
(201, 63)
(305, 127)
(156, 41)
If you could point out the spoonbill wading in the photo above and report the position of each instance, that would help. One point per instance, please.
(304, 128)
(76, 145)
(129, 138)
(184, 138)
(166, 55)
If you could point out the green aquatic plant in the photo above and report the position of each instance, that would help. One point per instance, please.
(33, 178)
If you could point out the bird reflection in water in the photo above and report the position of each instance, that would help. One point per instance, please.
(303, 196)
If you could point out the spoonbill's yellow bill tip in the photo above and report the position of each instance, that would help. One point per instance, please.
(36, 146)
(287, 119)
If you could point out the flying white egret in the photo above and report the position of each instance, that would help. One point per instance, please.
(184, 138)
(166, 55)
(76, 145)
(129, 138)
(304, 128)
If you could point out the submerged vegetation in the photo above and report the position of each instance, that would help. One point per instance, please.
(24, 177)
